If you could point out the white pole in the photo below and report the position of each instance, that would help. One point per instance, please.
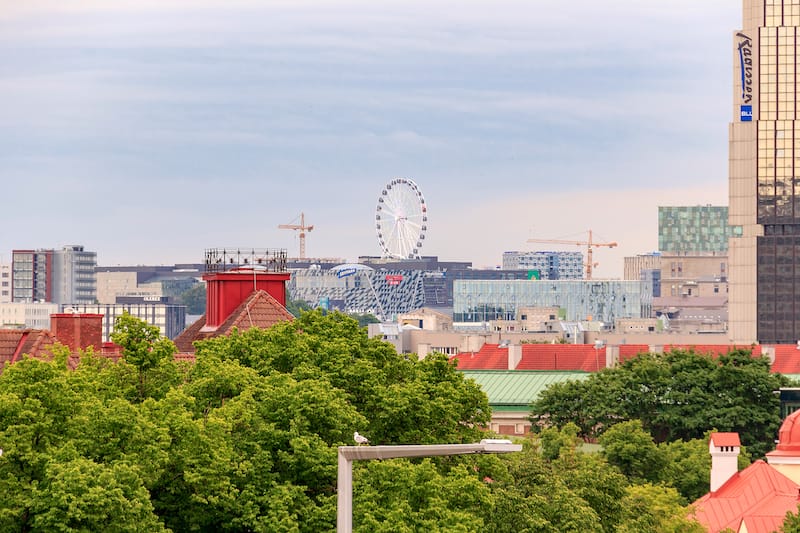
(344, 496)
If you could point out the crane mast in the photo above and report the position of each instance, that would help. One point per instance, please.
(302, 228)
(590, 244)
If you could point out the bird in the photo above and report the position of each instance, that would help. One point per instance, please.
(360, 439)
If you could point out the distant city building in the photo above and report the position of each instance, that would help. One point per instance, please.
(156, 311)
(33, 315)
(62, 276)
(546, 265)
(693, 229)
(634, 265)
(5, 283)
(764, 164)
(598, 300)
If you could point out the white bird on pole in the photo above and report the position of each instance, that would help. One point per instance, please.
(360, 439)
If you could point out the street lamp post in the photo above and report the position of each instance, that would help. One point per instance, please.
(348, 454)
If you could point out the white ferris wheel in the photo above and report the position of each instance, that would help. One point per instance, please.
(401, 219)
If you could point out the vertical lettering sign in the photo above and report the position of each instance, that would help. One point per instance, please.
(745, 47)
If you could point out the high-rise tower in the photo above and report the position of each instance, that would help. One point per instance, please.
(764, 179)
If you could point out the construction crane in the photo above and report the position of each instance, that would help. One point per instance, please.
(589, 245)
(302, 228)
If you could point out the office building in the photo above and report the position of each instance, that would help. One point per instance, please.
(546, 265)
(64, 276)
(699, 229)
(764, 181)
(599, 300)
(5, 283)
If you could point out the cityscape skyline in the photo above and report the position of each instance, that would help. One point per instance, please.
(150, 131)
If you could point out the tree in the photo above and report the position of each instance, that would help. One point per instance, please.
(655, 508)
(631, 449)
(194, 298)
(143, 347)
(677, 396)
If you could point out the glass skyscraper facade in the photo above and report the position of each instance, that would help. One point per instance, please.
(693, 229)
(602, 300)
(764, 252)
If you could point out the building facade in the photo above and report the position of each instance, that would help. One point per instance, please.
(764, 181)
(5, 283)
(546, 265)
(694, 229)
(593, 300)
(64, 276)
(169, 318)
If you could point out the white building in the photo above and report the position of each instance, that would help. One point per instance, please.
(26, 315)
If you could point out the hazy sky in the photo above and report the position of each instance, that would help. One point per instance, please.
(150, 130)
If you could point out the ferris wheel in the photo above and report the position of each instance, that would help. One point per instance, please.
(401, 219)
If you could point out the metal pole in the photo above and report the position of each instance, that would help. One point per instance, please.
(344, 495)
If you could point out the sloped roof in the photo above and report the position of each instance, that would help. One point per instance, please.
(584, 357)
(629, 351)
(518, 388)
(489, 357)
(787, 359)
(259, 310)
(15, 343)
(725, 439)
(759, 496)
(714, 349)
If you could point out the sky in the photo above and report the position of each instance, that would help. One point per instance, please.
(151, 130)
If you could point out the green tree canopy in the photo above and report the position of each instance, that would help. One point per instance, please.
(677, 395)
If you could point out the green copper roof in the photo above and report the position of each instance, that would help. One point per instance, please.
(508, 388)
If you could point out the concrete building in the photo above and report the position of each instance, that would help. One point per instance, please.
(64, 276)
(5, 283)
(156, 311)
(764, 197)
(34, 315)
(546, 265)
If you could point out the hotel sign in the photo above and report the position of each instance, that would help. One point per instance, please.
(745, 47)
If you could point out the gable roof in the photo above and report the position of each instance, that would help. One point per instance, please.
(14, 343)
(259, 310)
(725, 439)
(759, 496)
(787, 359)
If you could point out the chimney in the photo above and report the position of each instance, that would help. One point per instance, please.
(225, 291)
(514, 355)
(78, 331)
(724, 450)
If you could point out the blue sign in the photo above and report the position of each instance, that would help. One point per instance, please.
(746, 113)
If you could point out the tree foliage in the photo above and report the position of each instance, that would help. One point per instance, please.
(245, 440)
(678, 395)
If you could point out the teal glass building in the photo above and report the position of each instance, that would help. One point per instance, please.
(693, 229)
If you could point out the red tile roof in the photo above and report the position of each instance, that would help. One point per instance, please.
(713, 349)
(259, 310)
(629, 351)
(583, 357)
(787, 359)
(14, 343)
(490, 357)
(759, 496)
(725, 439)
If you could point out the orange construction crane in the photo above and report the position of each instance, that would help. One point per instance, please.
(589, 245)
(302, 228)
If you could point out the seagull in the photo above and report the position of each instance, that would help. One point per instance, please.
(360, 439)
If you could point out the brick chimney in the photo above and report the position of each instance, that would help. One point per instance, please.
(724, 449)
(225, 291)
(78, 331)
